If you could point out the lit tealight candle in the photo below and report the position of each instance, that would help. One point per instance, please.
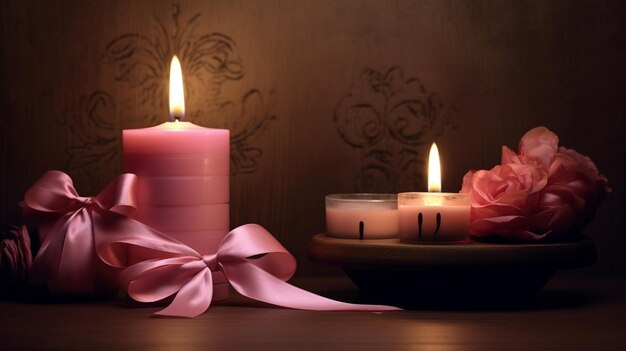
(433, 216)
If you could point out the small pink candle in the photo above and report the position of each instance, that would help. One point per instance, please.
(362, 216)
(433, 216)
(183, 179)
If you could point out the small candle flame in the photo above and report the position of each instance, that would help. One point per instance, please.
(434, 169)
(177, 94)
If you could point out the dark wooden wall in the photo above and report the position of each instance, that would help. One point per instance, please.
(288, 77)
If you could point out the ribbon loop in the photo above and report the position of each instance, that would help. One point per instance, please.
(53, 192)
(119, 195)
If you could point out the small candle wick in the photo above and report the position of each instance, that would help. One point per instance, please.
(361, 229)
(177, 118)
(420, 219)
(438, 223)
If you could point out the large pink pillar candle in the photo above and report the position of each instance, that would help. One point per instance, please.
(183, 185)
(183, 179)
(362, 216)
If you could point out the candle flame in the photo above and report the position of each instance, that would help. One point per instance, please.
(434, 169)
(177, 94)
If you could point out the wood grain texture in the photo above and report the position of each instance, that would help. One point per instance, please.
(571, 314)
(283, 76)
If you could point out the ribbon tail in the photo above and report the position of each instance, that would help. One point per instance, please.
(46, 262)
(193, 299)
(77, 266)
(257, 284)
(116, 234)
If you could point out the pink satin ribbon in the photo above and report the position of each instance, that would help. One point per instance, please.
(254, 263)
(87, 228)
(67, 259)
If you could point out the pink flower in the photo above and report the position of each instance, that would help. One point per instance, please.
(539, 144)
(504, 199)
(15, 258)
(542, 191)
(576, 178)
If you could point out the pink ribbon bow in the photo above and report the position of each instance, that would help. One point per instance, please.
(84, 229)
(254, 263)
(67, 259)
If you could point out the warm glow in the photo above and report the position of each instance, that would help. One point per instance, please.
(177, 94)
(434, 169)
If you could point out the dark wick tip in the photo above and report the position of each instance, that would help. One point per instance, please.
(420, 220)
(361, 229)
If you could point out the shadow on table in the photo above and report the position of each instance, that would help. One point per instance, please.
(562, 295)
(39, 295)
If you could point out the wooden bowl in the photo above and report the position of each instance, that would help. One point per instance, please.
(453, 276)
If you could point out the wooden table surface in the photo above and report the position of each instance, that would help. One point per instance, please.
(570, 314)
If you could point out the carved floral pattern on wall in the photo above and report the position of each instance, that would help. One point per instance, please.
(138, 97)
(390, 119)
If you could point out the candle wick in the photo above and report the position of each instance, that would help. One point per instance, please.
(438, 222)
(420, 219)
(177, 118)
(361, 229)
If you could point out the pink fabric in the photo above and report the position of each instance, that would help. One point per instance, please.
(255, 264)
(66, 260)
(544, 191)
(89, 232)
